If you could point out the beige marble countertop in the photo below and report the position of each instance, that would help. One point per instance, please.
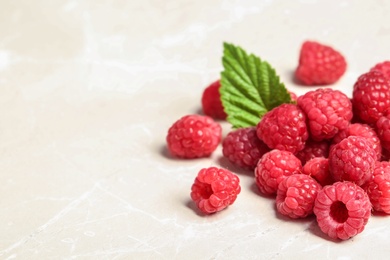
(88, 90)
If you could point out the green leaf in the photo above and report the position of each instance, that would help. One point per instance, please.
(250, 87)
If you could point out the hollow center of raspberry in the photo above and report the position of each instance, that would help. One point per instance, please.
(339, 212)
(207, 191)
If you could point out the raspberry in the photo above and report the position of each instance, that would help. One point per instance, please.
(273, 168)
(319, 64)
(362, 130)
(371, 96)
(353, 159)
(342, 210)
(284, 128)
(328, 111)
(243, 148)
(296, 194)
(318, 168)
(193, 136)
(215, 189)
(378, 188)
(313, 149)
(211, 101)
(383, 130)
(293, 96)
(383, 67)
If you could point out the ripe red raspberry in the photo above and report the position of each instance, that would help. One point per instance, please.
(215, 189)
(371, 96)
(293, 96)
(328, 111)
(362, 130)
(353, 159)
(313, 149)
(383, 67)
(243, 148)
(319, 64)
(211, 101)
(318, 168)
(342, 210)
(383, 129)
(378, 188)
(273, 168)
(284, 128)
(193, 136)
(296, 194)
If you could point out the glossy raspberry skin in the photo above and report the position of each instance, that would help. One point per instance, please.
(383, 67)
(296, 195)
(193, 136)
(273, 168)
(319, 64)
(371, 96)
(214, 189)
(328, 111)
(211, 101)
(243, 148)
(378, 187)
(313, 149)
(383, 130)
(284, 128)
(353, 159)
(318, 168)
(342, 210)
(362, 130)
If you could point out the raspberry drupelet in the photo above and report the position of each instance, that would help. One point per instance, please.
(214, 189)
(243, 148)
(284, 128)
(353, 159)
(371, 96)
(342, 210)
(378, 187)
(193, 136)
(273, 168)
(296, 195)
(319, 64)
(211, 101)
(328, 111)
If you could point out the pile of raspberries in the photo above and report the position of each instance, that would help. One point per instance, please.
(324, 154)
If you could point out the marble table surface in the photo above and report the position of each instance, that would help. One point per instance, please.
(88, 90)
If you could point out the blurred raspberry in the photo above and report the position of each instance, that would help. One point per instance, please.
(319, 64)
(383, 67)
(211, 101)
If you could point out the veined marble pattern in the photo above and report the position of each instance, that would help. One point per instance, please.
(88, 90)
